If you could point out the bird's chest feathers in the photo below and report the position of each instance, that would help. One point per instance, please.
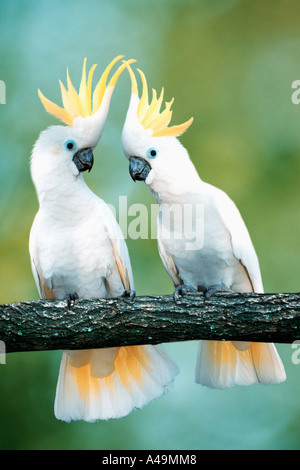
(192, 223)
(195, 236)
(74, 252)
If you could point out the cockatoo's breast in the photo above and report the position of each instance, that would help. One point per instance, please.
(200, 243)
(77, 257)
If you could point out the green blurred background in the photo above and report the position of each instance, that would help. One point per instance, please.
(228, 63)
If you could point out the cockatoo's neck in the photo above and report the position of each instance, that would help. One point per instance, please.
(67, 201)
(178, 179)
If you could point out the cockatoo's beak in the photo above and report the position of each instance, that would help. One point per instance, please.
(84, 160)
(139, 168)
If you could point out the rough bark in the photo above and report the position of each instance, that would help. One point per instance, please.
(41, 325)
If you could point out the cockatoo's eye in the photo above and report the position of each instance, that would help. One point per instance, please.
(70, 144)
(152, 152)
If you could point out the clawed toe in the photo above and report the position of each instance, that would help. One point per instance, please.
(182, 290)
(70, 298)
(214, 290)
(129, 293)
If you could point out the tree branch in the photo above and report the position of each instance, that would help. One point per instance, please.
(41, 325)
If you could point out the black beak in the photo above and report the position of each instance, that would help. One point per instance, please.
(84, 159)
(139, 168)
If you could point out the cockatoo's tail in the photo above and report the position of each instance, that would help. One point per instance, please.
(150, 115)
(86, 110)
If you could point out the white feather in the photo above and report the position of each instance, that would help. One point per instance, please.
(225, 254)
(220, 364)
(76, 246)
(139, 375)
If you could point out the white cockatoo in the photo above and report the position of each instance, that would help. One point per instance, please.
(77, 251)
(202, 239)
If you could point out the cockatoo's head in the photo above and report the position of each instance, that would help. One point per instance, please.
(67, 151)
(155, 154)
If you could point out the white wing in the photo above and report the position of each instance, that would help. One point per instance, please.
(119, 247)
(241, 242)
(44, 290)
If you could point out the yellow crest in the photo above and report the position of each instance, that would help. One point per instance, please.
(83, 103)
(150, 116)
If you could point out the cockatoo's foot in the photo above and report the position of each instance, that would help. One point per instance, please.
(71, 298)
(129, 293)
(182, 290)
(214, 289)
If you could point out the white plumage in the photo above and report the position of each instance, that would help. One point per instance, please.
(77, 251)
(220, 257)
